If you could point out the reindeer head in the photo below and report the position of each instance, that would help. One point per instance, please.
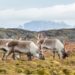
(65, 54)
(40, 55)
(40, 39)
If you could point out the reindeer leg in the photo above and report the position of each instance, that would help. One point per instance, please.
(58, 55)
(6, 55)
(53, 54)
(29, 56)
(15, 55)
(3, 56)
(19, 55)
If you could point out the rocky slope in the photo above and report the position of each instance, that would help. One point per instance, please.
(25, 34)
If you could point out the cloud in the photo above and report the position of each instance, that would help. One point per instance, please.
(64, 13)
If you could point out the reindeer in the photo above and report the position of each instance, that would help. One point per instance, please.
(7, 50)
(27, 47)
(53, 44)
(3, 46)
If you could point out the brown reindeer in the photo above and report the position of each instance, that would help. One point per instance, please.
(27, 47)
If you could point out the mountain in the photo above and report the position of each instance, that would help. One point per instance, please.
(43, 25)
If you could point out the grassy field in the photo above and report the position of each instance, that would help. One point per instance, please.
(49, 66)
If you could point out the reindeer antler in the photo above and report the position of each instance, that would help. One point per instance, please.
(40, 35)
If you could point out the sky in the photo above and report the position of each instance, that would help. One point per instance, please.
(18, 12)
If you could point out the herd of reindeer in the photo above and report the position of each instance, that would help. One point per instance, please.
(18, 46)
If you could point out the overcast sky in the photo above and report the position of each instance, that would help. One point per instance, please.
(16, 12)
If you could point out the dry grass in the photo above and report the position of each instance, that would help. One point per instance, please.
(39, 67)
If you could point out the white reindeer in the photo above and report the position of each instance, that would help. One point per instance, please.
(53, 44)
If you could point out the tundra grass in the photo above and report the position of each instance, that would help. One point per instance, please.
(49, 66)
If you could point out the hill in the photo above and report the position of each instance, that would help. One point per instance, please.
(25, 34)
(16, 33)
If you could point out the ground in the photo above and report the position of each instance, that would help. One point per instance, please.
(49, 66)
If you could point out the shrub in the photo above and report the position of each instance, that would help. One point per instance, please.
(3, 71)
